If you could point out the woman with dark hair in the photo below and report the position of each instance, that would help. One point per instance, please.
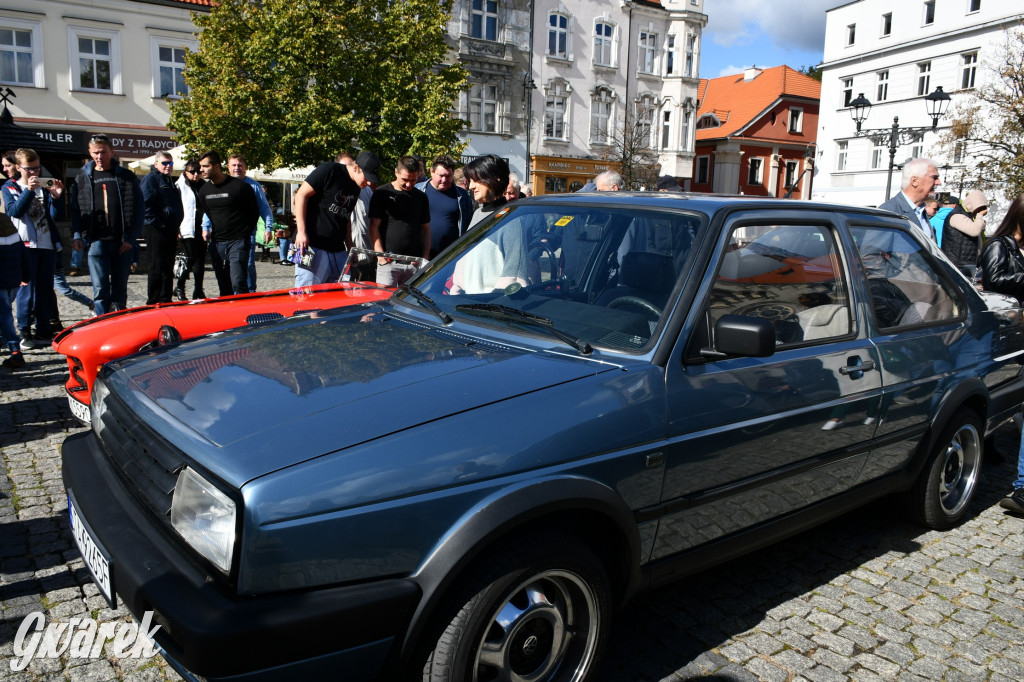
(190, 232)
(488, 178)
(1002, 266)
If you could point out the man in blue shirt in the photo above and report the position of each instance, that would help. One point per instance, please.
(451, 207)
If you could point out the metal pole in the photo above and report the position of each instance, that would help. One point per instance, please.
(894, 137)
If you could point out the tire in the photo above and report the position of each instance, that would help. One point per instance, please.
(537, 610)
(942, 495)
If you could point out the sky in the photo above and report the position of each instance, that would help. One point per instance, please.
(744, 33)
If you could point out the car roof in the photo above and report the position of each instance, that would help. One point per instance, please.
(705, 203)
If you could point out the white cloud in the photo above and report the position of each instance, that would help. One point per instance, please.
(797, 25)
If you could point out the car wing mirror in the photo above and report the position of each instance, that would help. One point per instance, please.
(743, 336)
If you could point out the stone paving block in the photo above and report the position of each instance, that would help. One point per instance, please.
(877, 664)
(766, 671)
(832, 642)
(821, 673)
(1004, 666)
(859, 636)
(737, 652)
(929, 648)
(826, 620)
(792, 661)
(921, 614)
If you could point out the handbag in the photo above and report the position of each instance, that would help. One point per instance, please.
(181, 264)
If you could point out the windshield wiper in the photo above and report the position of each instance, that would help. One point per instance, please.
(509, 313)
(427, 302)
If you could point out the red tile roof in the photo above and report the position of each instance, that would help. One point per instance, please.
(737, 102)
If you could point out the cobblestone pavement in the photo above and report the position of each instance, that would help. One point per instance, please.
(864, 597)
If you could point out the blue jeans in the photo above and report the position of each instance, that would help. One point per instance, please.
(327, 267)
(282, 247)
(250, 279)
(61, 286)
(109, 271)
(36, 297)
(77, 256)
(10, 334)
(231, 265)
(1019, 483)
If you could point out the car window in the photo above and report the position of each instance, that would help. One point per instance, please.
(788, 274)
(906, 289)
(607, 276)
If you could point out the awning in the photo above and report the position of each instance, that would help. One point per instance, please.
(14, 136)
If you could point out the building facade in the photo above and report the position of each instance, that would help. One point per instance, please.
(755, 133)
(597, 67)
(895, 54)
(85, 67)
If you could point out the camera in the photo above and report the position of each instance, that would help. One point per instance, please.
(48, 182)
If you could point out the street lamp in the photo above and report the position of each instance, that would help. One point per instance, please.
(528, 87)
(935, 104)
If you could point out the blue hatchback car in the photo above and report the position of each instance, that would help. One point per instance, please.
(585, 396)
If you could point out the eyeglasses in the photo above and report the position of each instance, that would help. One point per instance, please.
(191, 170)
(166, 163)
(29, 169)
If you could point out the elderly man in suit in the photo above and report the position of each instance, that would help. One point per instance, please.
(920, 178)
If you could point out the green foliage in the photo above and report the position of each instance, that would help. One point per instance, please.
(294, 83)
(812, 71)
(988, 123)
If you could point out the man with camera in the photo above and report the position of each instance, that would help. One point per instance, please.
(34, 205)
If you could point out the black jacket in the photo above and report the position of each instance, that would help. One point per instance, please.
(1002, 267)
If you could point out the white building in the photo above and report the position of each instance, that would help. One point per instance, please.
(83, 67)
(591, 63)
(895, 53)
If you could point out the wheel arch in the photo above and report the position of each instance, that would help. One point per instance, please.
(970, 393)
(579, 506)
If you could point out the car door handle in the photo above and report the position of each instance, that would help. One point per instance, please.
(863, 367)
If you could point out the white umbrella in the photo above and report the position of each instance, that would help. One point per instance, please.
(177, 153)
(295, 175)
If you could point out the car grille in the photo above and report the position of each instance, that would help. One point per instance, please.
(147, 464)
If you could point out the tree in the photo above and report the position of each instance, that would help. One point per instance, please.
(294, 83)
(629, 148)
(812, 71)
(988, 123)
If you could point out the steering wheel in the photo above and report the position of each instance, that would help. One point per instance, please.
(545, 249)
(637, 302)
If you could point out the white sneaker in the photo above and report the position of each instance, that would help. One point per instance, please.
(28, 344)
(831, 424)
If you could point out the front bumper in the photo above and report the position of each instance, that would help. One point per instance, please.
(209, 632)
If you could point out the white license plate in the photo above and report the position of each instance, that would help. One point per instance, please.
(79, 410)
(96, 558)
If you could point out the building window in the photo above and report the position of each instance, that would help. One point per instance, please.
(958, 152)
(554, 185)
(924, 78)
(754, 172)
(558, 36)
(851, 34)
(95, 60)
(886, 24)
(20, 54)
(929, 12)
(691, 51)
(670, 55)
(648, 52)
(666, 129)
(791, 173)
(708, 121)
(603, 44)
(169, 76)
(842, 153)
(601, 116)
(554, 111)
(970, 70)
(703, 168)
(878, 156)
(974, 6)
(483, 19)
(883, 85)
(796, 120)
(917, 151)
(483, 108)
(847, 91)
(644, 112)
(684, 131)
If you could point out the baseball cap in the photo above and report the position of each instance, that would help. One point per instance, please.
(370, 164)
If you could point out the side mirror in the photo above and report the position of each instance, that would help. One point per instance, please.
(743, 336)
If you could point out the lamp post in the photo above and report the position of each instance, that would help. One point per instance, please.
(808, 168)
(528, 87)
(935, 104)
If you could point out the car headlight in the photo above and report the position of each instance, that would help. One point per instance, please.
(205, 518)
(98, 405)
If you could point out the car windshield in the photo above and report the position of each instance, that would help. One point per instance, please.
(600, 276)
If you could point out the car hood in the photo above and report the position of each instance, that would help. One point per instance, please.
(247, 402)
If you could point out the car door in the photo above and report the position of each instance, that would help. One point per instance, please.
(750, 439)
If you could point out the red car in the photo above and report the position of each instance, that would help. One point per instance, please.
(98, 340)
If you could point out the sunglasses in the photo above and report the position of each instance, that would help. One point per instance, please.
(29, 169)
(166, 163)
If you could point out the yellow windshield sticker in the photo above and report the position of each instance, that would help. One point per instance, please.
(563, 221)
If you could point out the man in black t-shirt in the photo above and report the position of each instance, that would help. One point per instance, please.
(231, 206)
(323, 208)
(400, 223)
